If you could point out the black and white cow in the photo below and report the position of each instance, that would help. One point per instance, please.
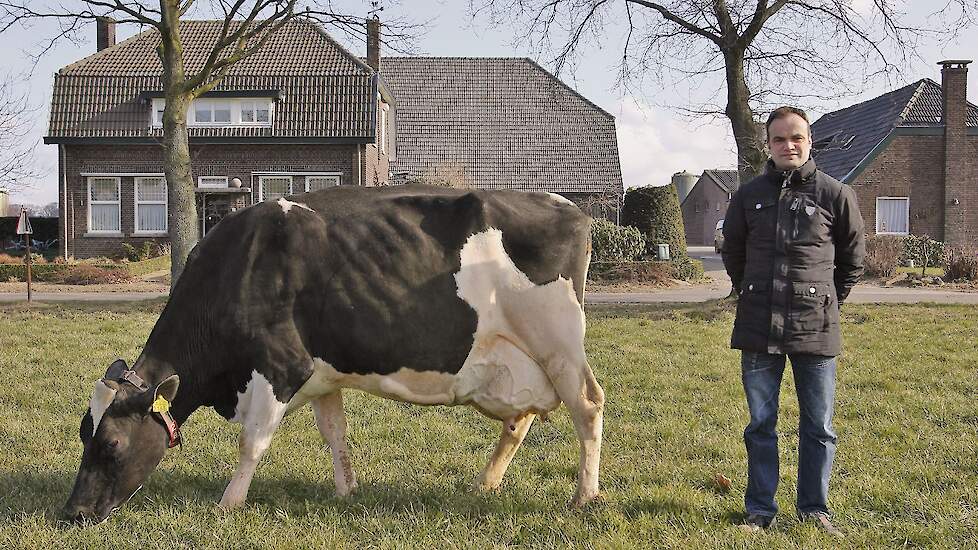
(421, 294)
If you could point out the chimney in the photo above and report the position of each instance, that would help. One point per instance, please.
(104, 33)
(373, 42)
(959, 197)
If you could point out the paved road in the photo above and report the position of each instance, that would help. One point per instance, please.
(860, 295)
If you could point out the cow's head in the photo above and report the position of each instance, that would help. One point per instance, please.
(124, 435)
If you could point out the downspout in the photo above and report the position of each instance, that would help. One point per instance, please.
(64, 203)
(359, 166)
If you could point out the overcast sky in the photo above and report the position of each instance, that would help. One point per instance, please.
(654, 141)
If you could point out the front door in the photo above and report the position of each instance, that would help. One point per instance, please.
(212, 210)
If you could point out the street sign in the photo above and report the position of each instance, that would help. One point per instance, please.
(24, 224)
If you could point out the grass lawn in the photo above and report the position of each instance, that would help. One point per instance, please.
(906, 473)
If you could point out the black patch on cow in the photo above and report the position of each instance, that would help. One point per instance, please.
(365, 283)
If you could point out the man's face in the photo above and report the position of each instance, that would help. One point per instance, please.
(790, 141)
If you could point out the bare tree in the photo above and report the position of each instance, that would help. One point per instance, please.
(248, 24)
(17, 166)
(767, 51)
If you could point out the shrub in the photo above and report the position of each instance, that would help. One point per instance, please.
(924, 251)
(149, 249)
(655, 212)
(962, 264)
(630, 272)
(883, 255)
(89, 275)
(686, 269)
(614, 243)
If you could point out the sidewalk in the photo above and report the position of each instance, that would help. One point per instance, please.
(862, 294)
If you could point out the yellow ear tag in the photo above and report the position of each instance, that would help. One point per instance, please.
(161, 405)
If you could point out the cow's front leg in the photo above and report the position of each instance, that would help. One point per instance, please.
(328, 410)
(263, 415)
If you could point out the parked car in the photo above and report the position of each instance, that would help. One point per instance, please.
(718, 237)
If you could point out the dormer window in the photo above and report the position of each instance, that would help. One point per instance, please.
(221, 112)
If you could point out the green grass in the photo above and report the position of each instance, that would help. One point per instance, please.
(931, 271)
(905, 473)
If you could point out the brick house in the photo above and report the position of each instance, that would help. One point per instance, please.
(299, 115)
(911, 155)
(706, 204)
(302, 114)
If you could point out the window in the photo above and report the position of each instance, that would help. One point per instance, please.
(892, 215)
(275, 187)
(315, 183)
(221, 112)
(104, 212)
(212, 181)
(150, 205)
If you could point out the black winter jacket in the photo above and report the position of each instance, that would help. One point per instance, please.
(793, 247)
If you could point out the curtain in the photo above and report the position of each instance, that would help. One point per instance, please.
(892, 215)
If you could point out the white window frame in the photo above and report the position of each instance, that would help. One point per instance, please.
(259, 103)
(383, 128)
(137, 232)
(261, 184)
(117, 203)
(906, 201)
(213, 181)
(334, 177)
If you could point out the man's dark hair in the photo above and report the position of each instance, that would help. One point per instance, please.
(782, 112)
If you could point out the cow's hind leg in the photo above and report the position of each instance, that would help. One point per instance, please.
(584, 398)
(328, 410)
(509, 441)
(262, 416)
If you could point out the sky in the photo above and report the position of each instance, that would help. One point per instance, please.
(654, 139)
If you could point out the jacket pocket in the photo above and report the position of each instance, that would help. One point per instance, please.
(809, 305)
(762, 217)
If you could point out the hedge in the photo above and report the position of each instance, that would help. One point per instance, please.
(654, 271)
(53, 272)
(655, 212)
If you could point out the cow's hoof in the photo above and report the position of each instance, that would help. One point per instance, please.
(582, 501)
(481, 486)
(348, 491)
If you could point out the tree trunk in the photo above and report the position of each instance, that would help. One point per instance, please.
(180, 185)
(176, 143)
(750, 149)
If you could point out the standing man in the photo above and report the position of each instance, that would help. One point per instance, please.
(793, 247)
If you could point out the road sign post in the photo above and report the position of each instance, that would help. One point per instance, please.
(24, 228)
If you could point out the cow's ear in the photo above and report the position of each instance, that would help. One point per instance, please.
(115, 370)
(167, 389)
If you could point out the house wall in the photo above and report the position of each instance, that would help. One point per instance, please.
(910, 166)
(705, 205)
(240, 161)
(913, 166)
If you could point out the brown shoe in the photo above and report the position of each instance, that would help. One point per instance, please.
(823, 523)
(755, 523)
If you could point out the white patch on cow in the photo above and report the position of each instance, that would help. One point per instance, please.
(257, 402)
(102, 397)
(561, 199)
(287, 205)
(421, 387)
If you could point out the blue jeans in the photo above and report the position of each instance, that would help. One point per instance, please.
(815, 385)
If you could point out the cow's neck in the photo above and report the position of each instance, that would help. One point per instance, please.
(154, 370)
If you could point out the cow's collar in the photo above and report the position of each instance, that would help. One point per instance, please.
(119, 373)
(172, 429)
